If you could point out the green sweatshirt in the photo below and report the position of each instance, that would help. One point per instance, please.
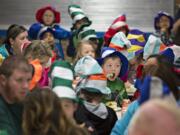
(10, 117)
(118, 91)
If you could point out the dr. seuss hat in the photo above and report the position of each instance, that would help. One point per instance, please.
(87, 33)
(95, 83)
(153, 46)
(120, 42)
(138, 41)
(157, 18)
(40, 12)
(87, 66)
(117, 24)
(107, 51)
(61, 74)
(77, 13)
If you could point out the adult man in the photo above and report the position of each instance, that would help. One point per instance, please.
(156, 117)
(15, 74)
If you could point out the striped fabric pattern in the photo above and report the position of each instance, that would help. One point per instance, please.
(87, 66)
(95, 83)
(153, 46)
(61, 74)
(117, 24)
(120, 42)
(138, 41)
(76, 13)
(87, 33)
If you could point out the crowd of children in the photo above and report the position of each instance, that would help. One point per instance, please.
(100, 88)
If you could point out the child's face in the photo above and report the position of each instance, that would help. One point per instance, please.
(164, 23)
(48, 17)
(80, 23)
(112, 67)
(69, 107)
(87, 50)
(49, 38)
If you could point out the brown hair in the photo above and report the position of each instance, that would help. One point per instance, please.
(43, 115)
(111, 56)
(164, 70)
(13, 31)
(37, 50)
(79, 49)
(12, 63)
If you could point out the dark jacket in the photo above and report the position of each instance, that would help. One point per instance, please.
(101, 126)
(10, 117)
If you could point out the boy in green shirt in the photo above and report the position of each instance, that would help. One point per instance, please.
(115, 65)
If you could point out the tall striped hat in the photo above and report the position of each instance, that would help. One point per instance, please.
(62, 75)
(87, 33)
(138, 41)
(153, 46)
(87, 66)
(76, 13)
(117, 24)
(120, 42)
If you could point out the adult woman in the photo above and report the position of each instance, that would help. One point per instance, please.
(16, 36)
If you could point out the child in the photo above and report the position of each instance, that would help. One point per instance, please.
(80, 20)
(61, 74)
(163, 24)
(98, 118)
(48, 16)
(87, 33)
(43, 115)
(115, 65)
(39, 56)
(85, 48)
(48, 35)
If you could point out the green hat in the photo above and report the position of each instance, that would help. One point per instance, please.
(76, 13)
(62, 75)
(87, 33)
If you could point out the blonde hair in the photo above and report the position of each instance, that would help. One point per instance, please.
(43, 115)
(37, 49)
(80, 46)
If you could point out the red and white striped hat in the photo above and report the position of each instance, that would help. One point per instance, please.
(117, 24)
